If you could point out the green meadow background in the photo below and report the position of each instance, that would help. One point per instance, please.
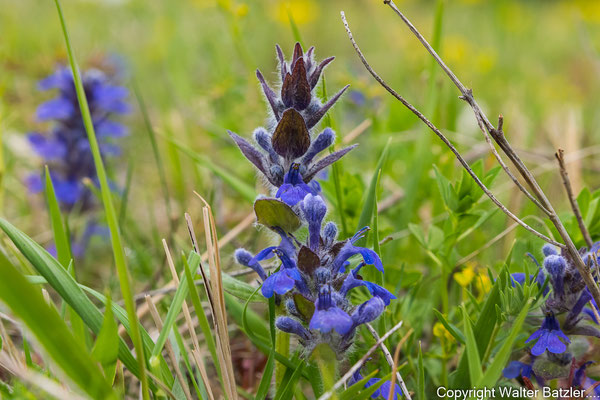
(193, 63)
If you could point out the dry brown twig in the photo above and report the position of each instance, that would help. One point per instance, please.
(444, 139)
(497, 134)
(560, 157)
(393, 362)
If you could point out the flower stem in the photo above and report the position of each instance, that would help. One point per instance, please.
(327, 363)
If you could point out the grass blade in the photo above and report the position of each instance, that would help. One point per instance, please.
(106, 348)
(421, 376)
(109, 209)
(27, 302)
(475, 372)
(61, 239)
(68, 289)
(202, 319)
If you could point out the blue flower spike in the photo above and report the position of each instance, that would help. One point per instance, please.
(314, 278)
(65, 148)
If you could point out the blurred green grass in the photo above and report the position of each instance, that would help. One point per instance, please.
(536, 62)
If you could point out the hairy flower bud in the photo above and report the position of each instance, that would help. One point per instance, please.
(244, 257)
(323, 141)
(549, 250)
(556, 265)
(314, 209)
(263, 138)
(330, 232)
(290, 325)
(368, 311)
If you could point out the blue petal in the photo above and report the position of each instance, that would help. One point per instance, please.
(67, 191)
(513, 369)
(380, 292)
(60, 79)
(540, 347)
(535, 335)
(517, 277)
(554, 344)
(370, 383)
(591, 314)
(368, 311)
(34, 183)
(294, 274)
(108, 128)
(49, 149)
(384, 390)
(265, 254)
(111, 98)
(331, 319)
(279, 282)
(371, 258)
(293, 195)
(58, 108)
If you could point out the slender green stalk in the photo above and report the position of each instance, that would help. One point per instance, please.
(335, 169)
(109, 209)
(155, 150)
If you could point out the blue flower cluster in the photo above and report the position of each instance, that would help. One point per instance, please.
(65, 147)
(314, 278)
(568, 314)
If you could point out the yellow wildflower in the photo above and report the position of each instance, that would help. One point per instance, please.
(439, 330)
(302, 11)
(483, 284)
(465, 277)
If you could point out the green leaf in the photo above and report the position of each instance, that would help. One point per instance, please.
(28, 304)
(482, 332)
(451, 328)
(475, 372)
(258, 332)
(304, 306)
(61, 239)
(418, 233)
(274, 213)
(446, 189)
(106, 348)
(287, 391)
(265, 381)
(493, 372)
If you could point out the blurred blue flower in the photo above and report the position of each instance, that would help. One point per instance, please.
(65, 148)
